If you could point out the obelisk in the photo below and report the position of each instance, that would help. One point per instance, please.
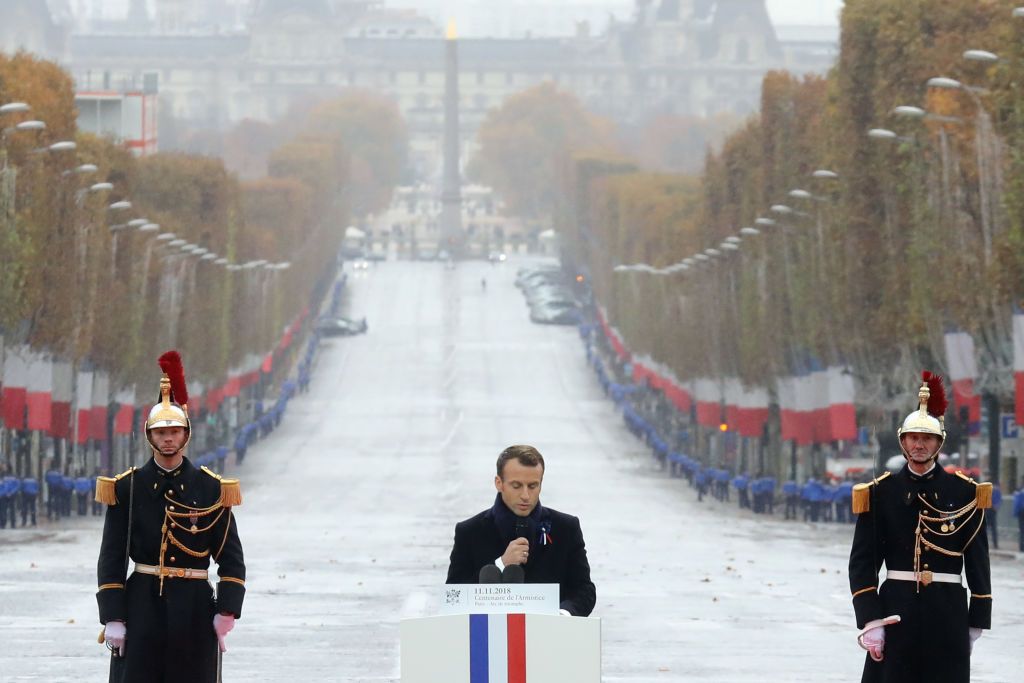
(452, 237)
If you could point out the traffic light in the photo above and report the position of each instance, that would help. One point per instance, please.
(723, 427)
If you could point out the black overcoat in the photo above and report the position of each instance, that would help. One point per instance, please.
(170, 636)
(479, 542)
(931, 642)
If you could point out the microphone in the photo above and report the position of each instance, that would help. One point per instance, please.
(513, 573)
(490, 573)
(522, 528)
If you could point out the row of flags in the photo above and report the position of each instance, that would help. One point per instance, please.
(41, 393)
(817, 405)
(961, 370)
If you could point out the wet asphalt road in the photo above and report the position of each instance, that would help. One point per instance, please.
(350, 507)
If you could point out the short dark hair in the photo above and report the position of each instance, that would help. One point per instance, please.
(528, 456)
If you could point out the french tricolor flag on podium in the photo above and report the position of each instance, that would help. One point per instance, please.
(497, 648)
(500, 648)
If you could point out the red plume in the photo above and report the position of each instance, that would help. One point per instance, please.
(937, 401)
(170, 363)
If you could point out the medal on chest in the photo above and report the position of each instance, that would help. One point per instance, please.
(193, 519)
(949, 524)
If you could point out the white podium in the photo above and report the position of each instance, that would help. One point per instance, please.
(496, 647)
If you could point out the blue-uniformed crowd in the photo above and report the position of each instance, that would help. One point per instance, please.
(654, 420)
(66, 495)
(17, 499)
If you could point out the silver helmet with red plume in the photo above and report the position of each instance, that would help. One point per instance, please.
(929, 418)
(172, 408)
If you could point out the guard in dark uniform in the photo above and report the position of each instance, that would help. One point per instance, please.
(928, 527)
(164, 622)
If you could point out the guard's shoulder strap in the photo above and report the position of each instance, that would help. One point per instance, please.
(207, 470)
(862, 494)
(963, 476)
(106, 487)
(982, 490)
(230, 489)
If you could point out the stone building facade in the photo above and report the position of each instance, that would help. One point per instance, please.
(693, 57)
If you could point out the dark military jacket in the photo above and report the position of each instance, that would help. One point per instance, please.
(930, 523)
(179, 521)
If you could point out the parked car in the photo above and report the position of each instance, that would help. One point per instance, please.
(549, 315)
(543, 294)
(539, 278)
(340, 327)
(538, 274)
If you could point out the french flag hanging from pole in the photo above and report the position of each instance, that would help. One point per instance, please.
(1018, 363)
(60, 409)
(83, 404)
(40, 393)
(804, 386)
(100, 406)
(732, 390)
(963, 370)
(14, 398)
(785, 387)
(753, 412)
(819, 409)
(708, 393)
(124, 417)
(842, 413)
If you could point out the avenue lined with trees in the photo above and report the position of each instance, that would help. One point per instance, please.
(107, 259)
(857, 222)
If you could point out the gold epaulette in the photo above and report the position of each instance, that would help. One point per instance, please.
(982, 491)
(230, 489)
(106, 487)
(862, 494)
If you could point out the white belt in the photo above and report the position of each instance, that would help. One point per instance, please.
(925, 577)
(175, 572)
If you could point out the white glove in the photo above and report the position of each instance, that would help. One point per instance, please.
(872, 636)
(114, 634)
(222, 624)
(975, 633)
(873, 640)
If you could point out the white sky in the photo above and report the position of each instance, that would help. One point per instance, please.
(812, 12)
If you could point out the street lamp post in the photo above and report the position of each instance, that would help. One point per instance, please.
(988, 149)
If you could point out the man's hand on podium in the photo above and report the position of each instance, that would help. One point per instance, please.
(518, 552)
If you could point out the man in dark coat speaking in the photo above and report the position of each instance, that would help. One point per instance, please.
(517, 530)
